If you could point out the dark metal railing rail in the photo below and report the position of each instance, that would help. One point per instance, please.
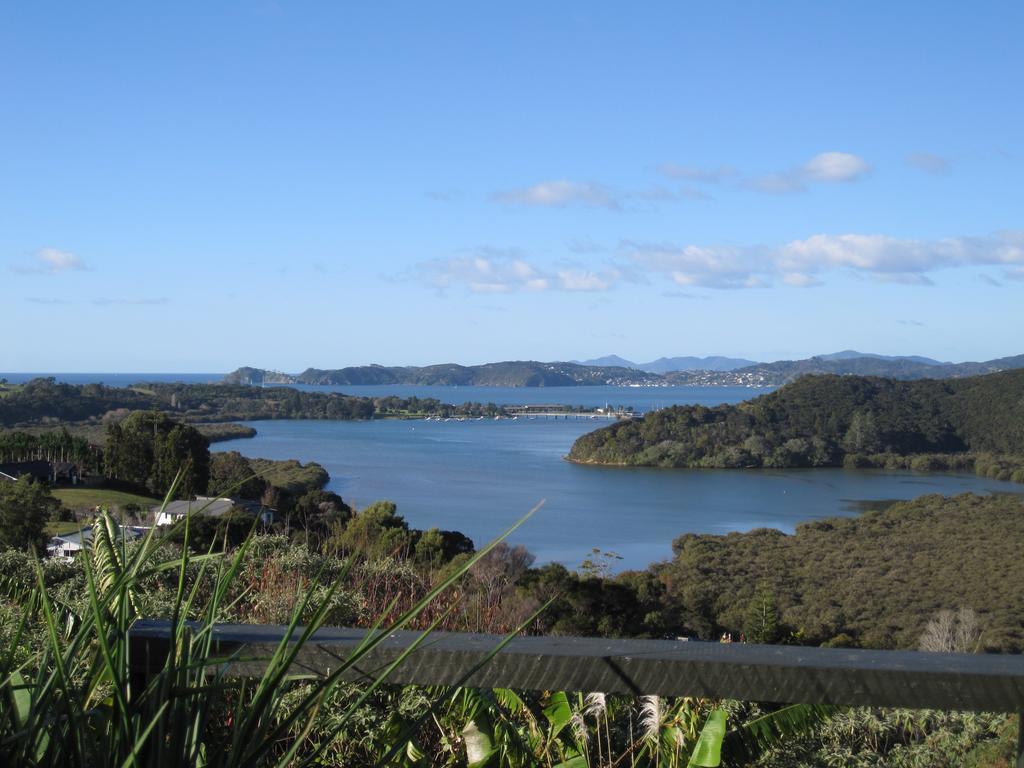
(766, 673)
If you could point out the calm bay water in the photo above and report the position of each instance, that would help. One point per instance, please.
(116, 379)
(641, 399)
(480, 476)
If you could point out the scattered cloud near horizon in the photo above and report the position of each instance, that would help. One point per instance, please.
(803, 262)
(51, 261)
(492, 270)
(561, 193)
(798, 263)
(823, 168)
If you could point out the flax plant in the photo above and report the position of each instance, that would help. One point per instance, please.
(75, 702)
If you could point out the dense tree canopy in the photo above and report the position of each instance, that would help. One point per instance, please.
(148, 450)
(25, 508)
(231, 473)
(825, 421)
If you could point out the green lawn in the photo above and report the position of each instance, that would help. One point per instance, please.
(62, 528)
(87, 498)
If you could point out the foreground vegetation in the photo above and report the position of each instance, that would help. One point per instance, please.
(68, 697)
(65, 697)
(829, 421)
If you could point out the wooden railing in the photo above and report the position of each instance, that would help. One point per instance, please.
(765, 673)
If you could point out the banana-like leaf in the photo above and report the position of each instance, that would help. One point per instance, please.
(707, 752)
(773, 730)
(558, 712)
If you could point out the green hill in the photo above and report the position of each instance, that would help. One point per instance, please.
(829, 420)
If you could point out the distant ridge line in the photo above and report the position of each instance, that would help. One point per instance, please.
(531, 373)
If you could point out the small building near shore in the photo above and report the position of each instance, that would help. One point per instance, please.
(67, 546)
(210, 506)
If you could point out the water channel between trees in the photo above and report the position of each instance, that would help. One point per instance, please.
(478, 477)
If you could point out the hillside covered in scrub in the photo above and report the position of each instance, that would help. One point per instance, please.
(822, 421)
(872, 581)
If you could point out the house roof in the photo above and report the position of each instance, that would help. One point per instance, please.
(83, 537)
(204, 505)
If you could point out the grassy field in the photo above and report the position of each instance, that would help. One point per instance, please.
(62, 528)
(87, 498)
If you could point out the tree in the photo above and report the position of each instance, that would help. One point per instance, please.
(762, 620)
(148, 449)
(377, 531)
(231, 473)
(436, 547)
(952, 632)
(25, 508)
(318, 514)
(863, 435)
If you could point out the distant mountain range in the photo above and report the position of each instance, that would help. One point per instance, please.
(531, 373)
(670, 364)
(527, 373)
(850, 354)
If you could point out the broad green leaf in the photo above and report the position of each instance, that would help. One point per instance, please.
(558, 712)
(707, 752)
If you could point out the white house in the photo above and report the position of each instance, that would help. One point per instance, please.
(67, 545)
(176, 511)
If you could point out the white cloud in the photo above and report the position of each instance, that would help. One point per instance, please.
(835, 166)
(823, 168)
(51, 261)
(929, 163)
(562, 193)
(492, 270)
(584, 280)
(803, 262)
(694, 265)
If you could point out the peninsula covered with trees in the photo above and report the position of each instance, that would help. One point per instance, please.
(43, 404)
(828, 421)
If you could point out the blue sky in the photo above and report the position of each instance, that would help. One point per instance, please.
(194, 187)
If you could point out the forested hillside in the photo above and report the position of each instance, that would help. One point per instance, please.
(513, 373)
(873, 580)
(47, 403)
(830, 421)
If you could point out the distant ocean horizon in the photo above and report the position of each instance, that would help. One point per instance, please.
(116, 379)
